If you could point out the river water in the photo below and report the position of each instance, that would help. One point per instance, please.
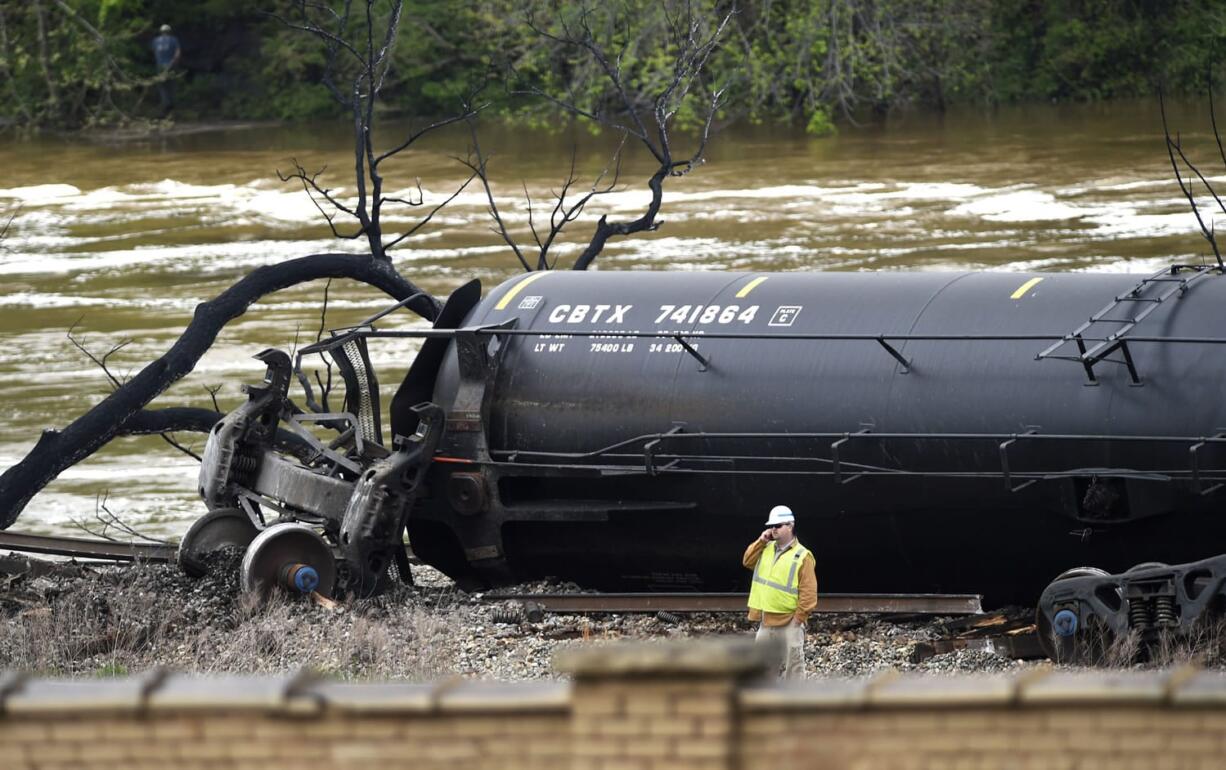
(123, 239)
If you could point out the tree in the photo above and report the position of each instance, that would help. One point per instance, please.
(68, 64)
(1177, 156)
(358, 47)
(650, 79)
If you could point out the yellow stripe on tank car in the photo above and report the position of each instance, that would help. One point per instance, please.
(751, 286)
(516, 289)
(1021, 290)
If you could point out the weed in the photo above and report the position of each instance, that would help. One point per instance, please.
(112, 669)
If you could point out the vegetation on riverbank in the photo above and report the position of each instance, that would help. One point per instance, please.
(73, 63)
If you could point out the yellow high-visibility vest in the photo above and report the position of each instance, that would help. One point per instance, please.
(776, 583)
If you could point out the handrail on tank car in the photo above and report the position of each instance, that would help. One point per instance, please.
(705, 361)
(452, 333)
(645, 437)
(652, 459)
(869, 470)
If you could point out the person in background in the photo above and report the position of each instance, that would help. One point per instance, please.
(166, 53)
(784, 589)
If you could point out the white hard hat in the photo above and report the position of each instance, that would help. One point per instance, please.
(780, 514)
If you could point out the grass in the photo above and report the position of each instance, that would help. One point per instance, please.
(135, 618)
(1203, 645)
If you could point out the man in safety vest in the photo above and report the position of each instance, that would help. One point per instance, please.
(784, 589)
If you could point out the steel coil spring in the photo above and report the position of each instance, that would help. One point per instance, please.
(1165, 614)
(509, 615)
(1138, 614)
(245, 466)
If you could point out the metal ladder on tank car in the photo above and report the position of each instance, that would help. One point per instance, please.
(1173, 281)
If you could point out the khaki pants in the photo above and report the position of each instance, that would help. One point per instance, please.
(792, 637)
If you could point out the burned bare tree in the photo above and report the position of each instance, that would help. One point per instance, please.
(370, 63)
(562, 213)
(362, 59)
(1174, 151)
(642, 106)
(358, 43)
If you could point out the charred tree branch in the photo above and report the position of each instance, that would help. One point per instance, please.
(57, 450)
(646, 223)
(476, 162)
(186, 419)
(1173, 147)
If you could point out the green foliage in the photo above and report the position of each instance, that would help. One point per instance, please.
(112, 669)
(812, 61)
(820, 123)
(639, 36)
(62, 64)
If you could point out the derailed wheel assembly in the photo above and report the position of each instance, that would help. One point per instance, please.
(219, 528)
(292, 557)
(1063, 635)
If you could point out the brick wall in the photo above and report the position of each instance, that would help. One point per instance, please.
(1044, 719)
(684, 706)
(268, 723)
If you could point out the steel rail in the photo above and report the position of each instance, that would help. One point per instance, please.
(880, 604)
(86, 549)
(889, 604)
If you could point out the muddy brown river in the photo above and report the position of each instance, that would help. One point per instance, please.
(123, 239)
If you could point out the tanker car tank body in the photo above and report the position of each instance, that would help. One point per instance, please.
(935, 432)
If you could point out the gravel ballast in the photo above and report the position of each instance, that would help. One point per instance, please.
(111, 619)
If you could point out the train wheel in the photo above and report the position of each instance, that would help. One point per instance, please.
(1062, 640)
(289, 556)
(217, 529)
(1146, 565)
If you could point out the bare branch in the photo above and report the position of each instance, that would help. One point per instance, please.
(1217, 135)
(178, 419)
(478, 167)
(406, 201)
(312, 188)
(56, 450)
(323, 312)
(170, 439)
(325, 390)
(1204, 181)
(467, 114)
(562, 215)
(531, 215)
(101, 363)
(577, 111)
(321, 406)
(692, 46)
(1173, 147)
(8, 223)
(389, 246)
(585, 40)
(213, 390)
(107, 525)
(389, 40)
(333, 39)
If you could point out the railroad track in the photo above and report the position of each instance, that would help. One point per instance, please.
(82, 548)
(880, 604)
(997, 633)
